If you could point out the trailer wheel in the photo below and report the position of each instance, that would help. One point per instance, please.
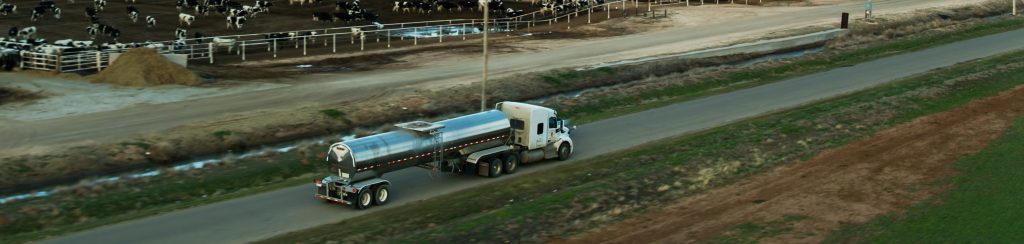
(564, 151)
(381, 194)
(511, 163)
(365, 199)
(495, 167)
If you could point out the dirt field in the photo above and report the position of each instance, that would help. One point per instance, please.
(881, 174)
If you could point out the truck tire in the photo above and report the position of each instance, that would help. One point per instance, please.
(511, 163)
(495, 167)
(381, 195)
(564, 151)
(365, 199)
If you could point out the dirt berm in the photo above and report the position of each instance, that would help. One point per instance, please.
(886, 173)
(145, 67)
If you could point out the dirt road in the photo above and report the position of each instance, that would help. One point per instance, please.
(260, 216)
(41, 135)
(884, 173)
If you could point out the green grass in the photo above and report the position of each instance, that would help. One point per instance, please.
(752, 232)
(983, 206)
(122, 202)
(574, 198)
(333, 113)
(221, 134)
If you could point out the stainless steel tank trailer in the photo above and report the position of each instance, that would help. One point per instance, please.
(489, 143)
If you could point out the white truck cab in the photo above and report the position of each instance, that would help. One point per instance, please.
(538, 131)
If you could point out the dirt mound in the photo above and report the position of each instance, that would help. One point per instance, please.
(145, 67)
(884, 173)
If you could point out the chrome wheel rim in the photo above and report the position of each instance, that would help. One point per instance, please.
(364, 199)
(382, 195)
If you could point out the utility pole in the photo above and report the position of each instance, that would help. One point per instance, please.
(483, 84)
(867, 9)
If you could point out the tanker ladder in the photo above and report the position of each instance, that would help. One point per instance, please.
(436, 138)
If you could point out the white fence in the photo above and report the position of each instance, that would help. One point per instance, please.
(66, 62)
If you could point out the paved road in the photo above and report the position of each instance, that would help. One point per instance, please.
(21, 136)
(260, 216)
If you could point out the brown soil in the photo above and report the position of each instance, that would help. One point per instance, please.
(145, 67)
(887, 172)
(10, 95)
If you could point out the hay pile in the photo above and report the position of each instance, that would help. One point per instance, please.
(145, 67)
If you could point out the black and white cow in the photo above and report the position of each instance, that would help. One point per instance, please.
(264, 5)
(72, 43)
(7, 8)
(150, 22)
(250, 10)
(91, 12)
(235, 22)
(180, 33)
(403, 6)
(186, 19)
(27, 33)
(99, 4)
(509, 13)
(112, 33)
(92, 30)
(37, 13)
(237, 12)
(56, 12)
(133, 13)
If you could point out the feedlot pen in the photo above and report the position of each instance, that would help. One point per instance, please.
(352, 38)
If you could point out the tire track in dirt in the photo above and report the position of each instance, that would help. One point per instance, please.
(886, 172)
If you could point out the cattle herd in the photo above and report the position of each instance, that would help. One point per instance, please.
(235, 14)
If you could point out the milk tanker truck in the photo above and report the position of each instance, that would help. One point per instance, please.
(489, 143)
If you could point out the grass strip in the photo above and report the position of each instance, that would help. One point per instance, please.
(575, 198)
(983, 205)
(100, 205)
